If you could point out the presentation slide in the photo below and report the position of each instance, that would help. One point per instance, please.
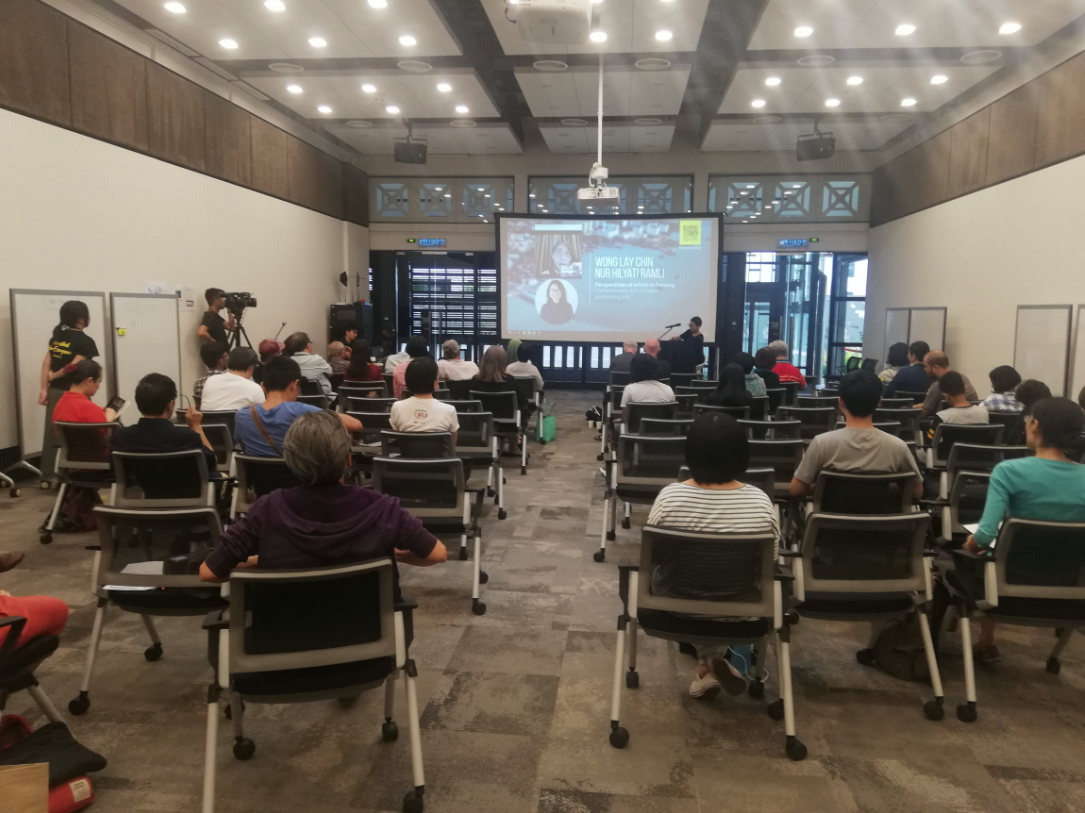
(590, 279)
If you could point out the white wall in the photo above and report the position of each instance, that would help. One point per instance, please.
(981, 256)
(80, 214)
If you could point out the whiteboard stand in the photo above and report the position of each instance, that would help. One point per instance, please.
(146, 339)
(1042, 344)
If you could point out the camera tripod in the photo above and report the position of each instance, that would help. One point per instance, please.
(234, 339)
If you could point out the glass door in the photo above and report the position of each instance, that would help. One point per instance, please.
(847, 313)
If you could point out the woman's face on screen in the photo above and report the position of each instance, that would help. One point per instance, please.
(557, 293)
(561, 255)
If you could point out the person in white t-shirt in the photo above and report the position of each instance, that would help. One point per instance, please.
(452, 367)
(644, 386)
(422, 412)
(236, 389)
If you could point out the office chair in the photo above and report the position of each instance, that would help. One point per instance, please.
(369, 404)
(815, 420)
(466, 406)
(161, 480)
(908, 418)
(82, 462)
(17, 665)
(359, 389)
(665, 426)
(772, 430)
(477, 443)
(738, 413)
(319, 400)
(791, 392)
(257, 476)
(635, 412)
(508, 421)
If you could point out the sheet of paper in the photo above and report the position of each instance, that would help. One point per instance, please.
(138, 569)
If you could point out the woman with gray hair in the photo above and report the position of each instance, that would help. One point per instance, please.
(322, 522)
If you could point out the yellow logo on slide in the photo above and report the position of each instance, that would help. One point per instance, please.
(690, 234)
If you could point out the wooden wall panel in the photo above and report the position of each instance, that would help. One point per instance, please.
(109, 88)
(1011, 148)
(1060, 128)
(968, 154)
(314, 181)
(175, 125)
(270, 159)
(355, 195)
(932, 178)
(34, 60)
(228, 138)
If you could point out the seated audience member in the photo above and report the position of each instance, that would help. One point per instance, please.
(620, 363)
(763, 364)
(896, 360)
(913, 378)
(269, 348)
(523, 366)
(236, 389)
(731, 391)
(260, 429)
(215, 357)
(1049, 486)
(313, 368)
(652, 348)
(338, 357)
(361, 369)
(712, 501)
(960, 410)
(1029, 392)
(1004, 381)
(422, 412)
(492, 375)
(754, 383)
(644, 384)
(858, 448)
(453, 368)
(44, 615)
(937, 364)
(155, 432)
(322, 522)
(393, 360)
(416, 348)
(788, 372)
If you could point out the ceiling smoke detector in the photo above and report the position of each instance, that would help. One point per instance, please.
(550, 65)
(574, 122)
(816, 60)
(981, 57)
(462, 124)
(653, 63)
(414, 66)
(285, 67)
(359, 124)
(647, 122)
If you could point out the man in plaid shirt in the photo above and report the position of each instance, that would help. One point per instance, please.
(1004, 381)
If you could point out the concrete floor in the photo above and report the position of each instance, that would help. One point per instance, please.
(516, 702)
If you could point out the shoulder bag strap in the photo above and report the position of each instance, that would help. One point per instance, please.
(260, 426)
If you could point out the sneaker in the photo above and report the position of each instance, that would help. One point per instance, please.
(733, 682)
(987, 656)
(705, 688)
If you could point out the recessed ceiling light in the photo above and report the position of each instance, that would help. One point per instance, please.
(939, 79)
(461, 108)
(444, 87)
(758, 103)
(448, 194)
(294, 88)
(855, 80)
(378, 3)
(1009, 28)
(367, 88)
(907, 102)
(773, 81)
(485, 196)
(832, 103)
(664, 35)
(175, 8)
(228, 44)
(318, 42)
(905, 29)
(531, 195)
(803, 31)
(275, 5)
(408, 40)
(392, 109)
(324, 109)
(598, 36)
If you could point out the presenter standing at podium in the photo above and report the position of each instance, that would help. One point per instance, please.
(694, 338)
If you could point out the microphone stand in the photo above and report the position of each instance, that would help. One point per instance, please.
(665, 332)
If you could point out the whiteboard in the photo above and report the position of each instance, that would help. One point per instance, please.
(896, 327)
(1077, 378)
(146, 339)
(34, 314)
(1041, 347)
(928, 325)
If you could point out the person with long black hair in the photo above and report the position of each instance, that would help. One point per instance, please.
(68, 346)
(731, 391)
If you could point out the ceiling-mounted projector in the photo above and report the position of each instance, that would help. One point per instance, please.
(410, 151)
(815, 146)
(555, 22)
(599, 193)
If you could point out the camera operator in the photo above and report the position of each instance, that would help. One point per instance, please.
(213, 327)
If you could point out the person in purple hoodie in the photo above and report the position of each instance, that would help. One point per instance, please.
(322, 522)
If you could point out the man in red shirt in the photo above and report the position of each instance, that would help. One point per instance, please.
(784, 368)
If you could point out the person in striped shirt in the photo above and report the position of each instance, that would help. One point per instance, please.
(714, 501)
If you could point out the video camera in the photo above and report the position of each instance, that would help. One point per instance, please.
(237, 301)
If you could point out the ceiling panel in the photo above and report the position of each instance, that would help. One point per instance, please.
(749, 136)
(630, 25)
(486, 139)
(938, 23)
(621, 138)
(627, 91)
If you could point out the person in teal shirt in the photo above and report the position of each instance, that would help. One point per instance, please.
(1049, 486)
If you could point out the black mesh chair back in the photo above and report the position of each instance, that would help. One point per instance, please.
(738, 413)
(360, 389)
(764, 479)
(852, 493)
(502, 405)
(618, 378)
(702, 384)
(336, 379)
(681, 379)
(759, 408)
(370, 404)
(307, 386)
(686, 403)
(389, 386)
(432, 490)
(424, 445)
(466, 406)
(665, 426)
(83, 446)
(782, 456)
(815, 420)
(791, 389)
(637, 411)
(648, 461)
(218, 417)
(1014, 423)
(772, 430)
(967, 498)
(916, 397)
(776, 396)
(475, 439)
(896, 403)
(319, 400)
(525, 388)
(373, 423)
(977, 457)
(260, 476)
(222, 443)
(1041, 560)
(908, 418)
(154, 548)
(161, 480)
(947, 435)
(864, 554)
(615, 403)
(461, 390)
(699, 392)
(816, 401)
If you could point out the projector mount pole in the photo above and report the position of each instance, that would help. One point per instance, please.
(600, 134)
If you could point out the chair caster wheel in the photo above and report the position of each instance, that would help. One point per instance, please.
(389, 731)
(795, 750)
(412, 804)
(463, 554)
(757, 689)
(611, 536)
(966, 712)
(14, 493)
(153, 653)
(625, 524)
(478, 608)
(776, 710)
(502, 514)
(934, 710)
(599, 556)
(80, 705)
(865, 656)
(632, 680)
(229, 711)
(523, 470)
(483, 577)
(619, 738)
(599, 457)
(46, 538)
(504, 481)
(244, 748)
(45, 485)
(489, 491)
(792, 618)
(1053, 666)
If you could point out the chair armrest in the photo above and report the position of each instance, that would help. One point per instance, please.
(628, 564)
(784, 574)
(786, 553)
(985, 556)
(16, 622)
(92, 547)
(217, 620)
(405, 604)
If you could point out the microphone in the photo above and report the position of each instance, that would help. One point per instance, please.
(676, 324)
(280, 330)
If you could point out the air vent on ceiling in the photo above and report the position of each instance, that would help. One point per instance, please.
(550, 65)
(768, 119)
(211, 66)
(285, 67)
(653, 63)
(245, 86)
(574, 122)
(981, 57)
(648, 122)
(816, 60)
(462, 124)
(171, 42)
(896, 118)
(360, 124)
(414, 66)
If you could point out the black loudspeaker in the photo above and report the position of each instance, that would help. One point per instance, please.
(408, 151)
(815, 147)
